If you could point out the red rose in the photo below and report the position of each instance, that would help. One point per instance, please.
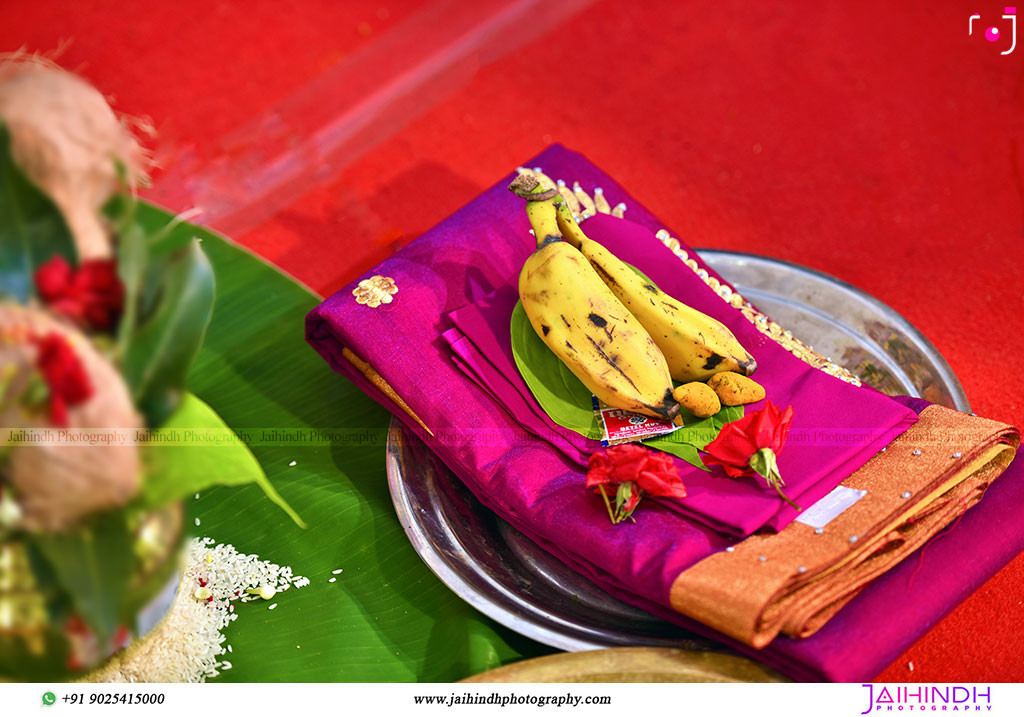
(64, 375)
(660, 477)
(53, 277)
(749, 446)
(630, 471)
(91, 296)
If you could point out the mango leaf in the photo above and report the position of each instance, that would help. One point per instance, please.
(195, 450)
(163, 346)
(562, 396)
(386, 618)
(32, 228)
(94, 566)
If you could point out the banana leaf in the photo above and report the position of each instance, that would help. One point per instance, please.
(386, 617)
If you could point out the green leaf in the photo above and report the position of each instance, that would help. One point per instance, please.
(562, 396)
(679, 449)
(94, 566)
(195, 450)
(133, 254)
(32, 228)
(695, 434)
(163, 347)
(172, 235)
(386, 618)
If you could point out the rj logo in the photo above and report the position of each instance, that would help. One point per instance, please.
(993, 34)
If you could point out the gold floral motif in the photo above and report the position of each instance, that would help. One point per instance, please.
(375, 291)
(769, 328)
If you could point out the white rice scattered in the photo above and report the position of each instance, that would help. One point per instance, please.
(336, 572)
(292, 463)
(188, 644)
(197, 496)
(332, 580)
(197, 522)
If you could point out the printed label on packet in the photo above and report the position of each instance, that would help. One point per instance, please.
(623, 426)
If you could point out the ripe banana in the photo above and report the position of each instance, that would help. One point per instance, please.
(582, 322)
(695, 345)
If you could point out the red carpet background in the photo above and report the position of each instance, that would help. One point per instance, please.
(873, 141)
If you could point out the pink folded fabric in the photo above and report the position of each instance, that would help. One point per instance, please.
(837, 426)
(497, 381)
(539, 490)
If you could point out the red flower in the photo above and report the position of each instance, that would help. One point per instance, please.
(749, 446)
(92, 296)
(631, 472)
(64, 375)
(660, 477)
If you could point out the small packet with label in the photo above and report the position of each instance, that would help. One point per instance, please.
(624, 426)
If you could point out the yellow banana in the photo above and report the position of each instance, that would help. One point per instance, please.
(582, 322)
(695, 345)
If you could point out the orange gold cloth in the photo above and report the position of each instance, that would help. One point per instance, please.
(795, 580)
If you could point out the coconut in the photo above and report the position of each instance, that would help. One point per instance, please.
(66, 138)
(57, 485)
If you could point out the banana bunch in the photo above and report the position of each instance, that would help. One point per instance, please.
(618, 333)
(583, 322)
(695, 345)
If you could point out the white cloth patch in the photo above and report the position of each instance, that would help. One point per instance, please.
(825, 510)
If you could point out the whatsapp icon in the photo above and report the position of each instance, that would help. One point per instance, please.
(49, 698)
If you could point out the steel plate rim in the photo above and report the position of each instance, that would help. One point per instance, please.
(945, 371)
(437, 564)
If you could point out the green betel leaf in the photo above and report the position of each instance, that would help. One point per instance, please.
(93, 565)
(679, 449)
(195, 450)
(728, 414)
(562, 396)
(695, 434)
(168, 338)
(32, 228)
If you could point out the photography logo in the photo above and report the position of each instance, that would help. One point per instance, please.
(931, 698)
(994, 33)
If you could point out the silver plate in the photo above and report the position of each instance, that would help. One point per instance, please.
(507, 577)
